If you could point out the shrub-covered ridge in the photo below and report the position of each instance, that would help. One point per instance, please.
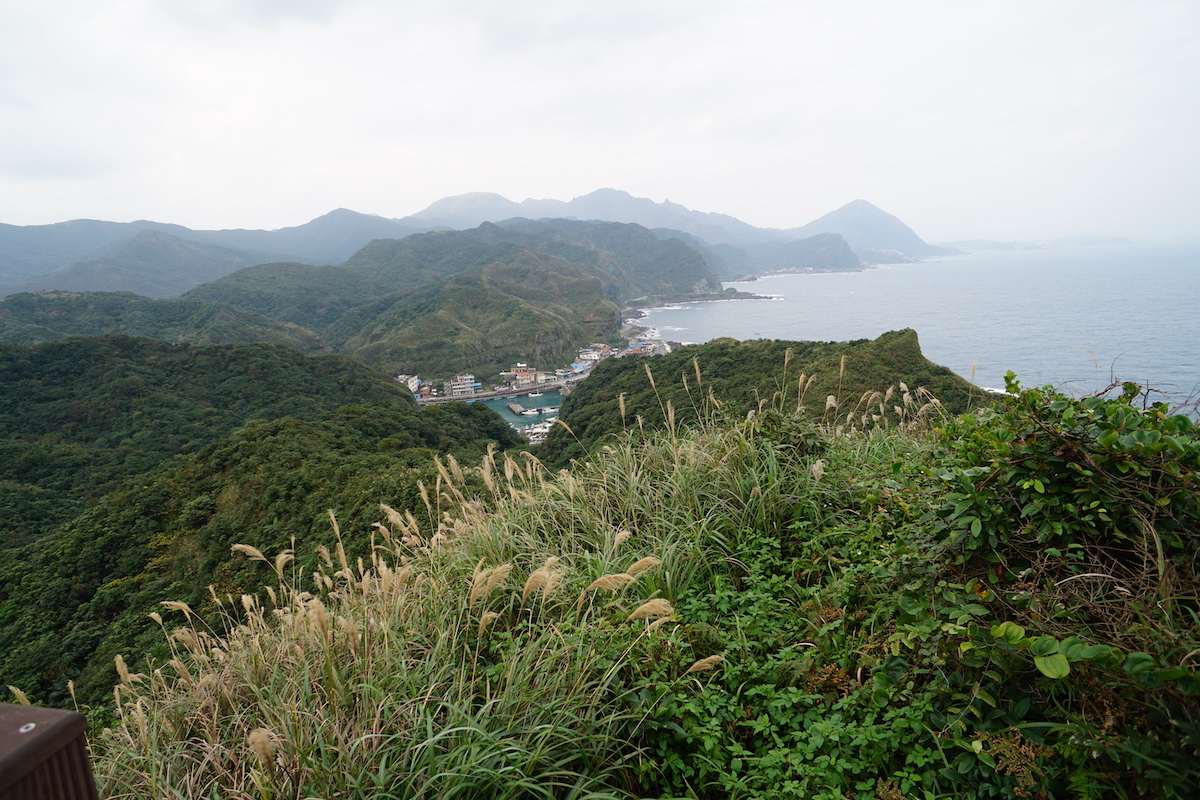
(763, 608)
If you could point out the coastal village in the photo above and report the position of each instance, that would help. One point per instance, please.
(527, 380)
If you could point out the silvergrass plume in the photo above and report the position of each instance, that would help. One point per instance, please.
(643, 564)
(651, 609)
(262, 743)
(612, 582)
(705, 664)
(253, 552)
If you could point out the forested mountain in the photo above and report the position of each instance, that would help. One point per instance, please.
(80, 415)
(610, 205)
(865, 227)
(152, 264)
(640, 261)
(619, 395)
(31, 318)
(531, 307)
(824, 252)
(328, 239)
(162, 260)
(129, 468)
(636, 261)
(472, 300)
(726, 261)
(440, 303)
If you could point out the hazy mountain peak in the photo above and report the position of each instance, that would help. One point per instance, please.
(608, 193)
(344, 213)
(473, 208)
(867, 227)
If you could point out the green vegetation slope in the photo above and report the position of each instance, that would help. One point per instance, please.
(742, 376)
(129, 466)
(152, 263)
(30, 318)
(472, 300)
(1001, 605)
(534, 307)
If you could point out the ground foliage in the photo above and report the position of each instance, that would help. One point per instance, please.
(999, 604)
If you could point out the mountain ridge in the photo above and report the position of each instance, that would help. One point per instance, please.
(78, 255)
(472, 300)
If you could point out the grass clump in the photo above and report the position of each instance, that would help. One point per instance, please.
(769, 607)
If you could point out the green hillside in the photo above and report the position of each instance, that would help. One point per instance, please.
(161, 260)
(620, 395)
(30, 318)
(129, 466)
(823, 252)
(152, 263)
(641, 262)
(317, 297)
(534, 308)
(312, 297)
(80, 416)
(477, 300)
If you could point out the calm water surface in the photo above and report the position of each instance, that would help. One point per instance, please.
(1075, 317)
(549, 399)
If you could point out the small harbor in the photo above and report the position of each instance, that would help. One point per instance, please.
(532, 414)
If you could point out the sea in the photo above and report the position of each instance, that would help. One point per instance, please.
(1078, 318)
(548, 400)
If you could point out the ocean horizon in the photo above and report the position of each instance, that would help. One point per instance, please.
(1078, 318)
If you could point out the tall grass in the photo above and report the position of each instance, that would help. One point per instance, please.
(515, 649)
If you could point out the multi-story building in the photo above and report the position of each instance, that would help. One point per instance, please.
(462, 385)
(520, 376)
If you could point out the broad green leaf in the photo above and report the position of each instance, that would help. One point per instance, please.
(1139, 663)
(1095, 651)
(1054, 666)
(909, 605)
(1044, 646)
(1009, 632)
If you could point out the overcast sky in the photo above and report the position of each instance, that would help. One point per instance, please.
(1016, 119)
